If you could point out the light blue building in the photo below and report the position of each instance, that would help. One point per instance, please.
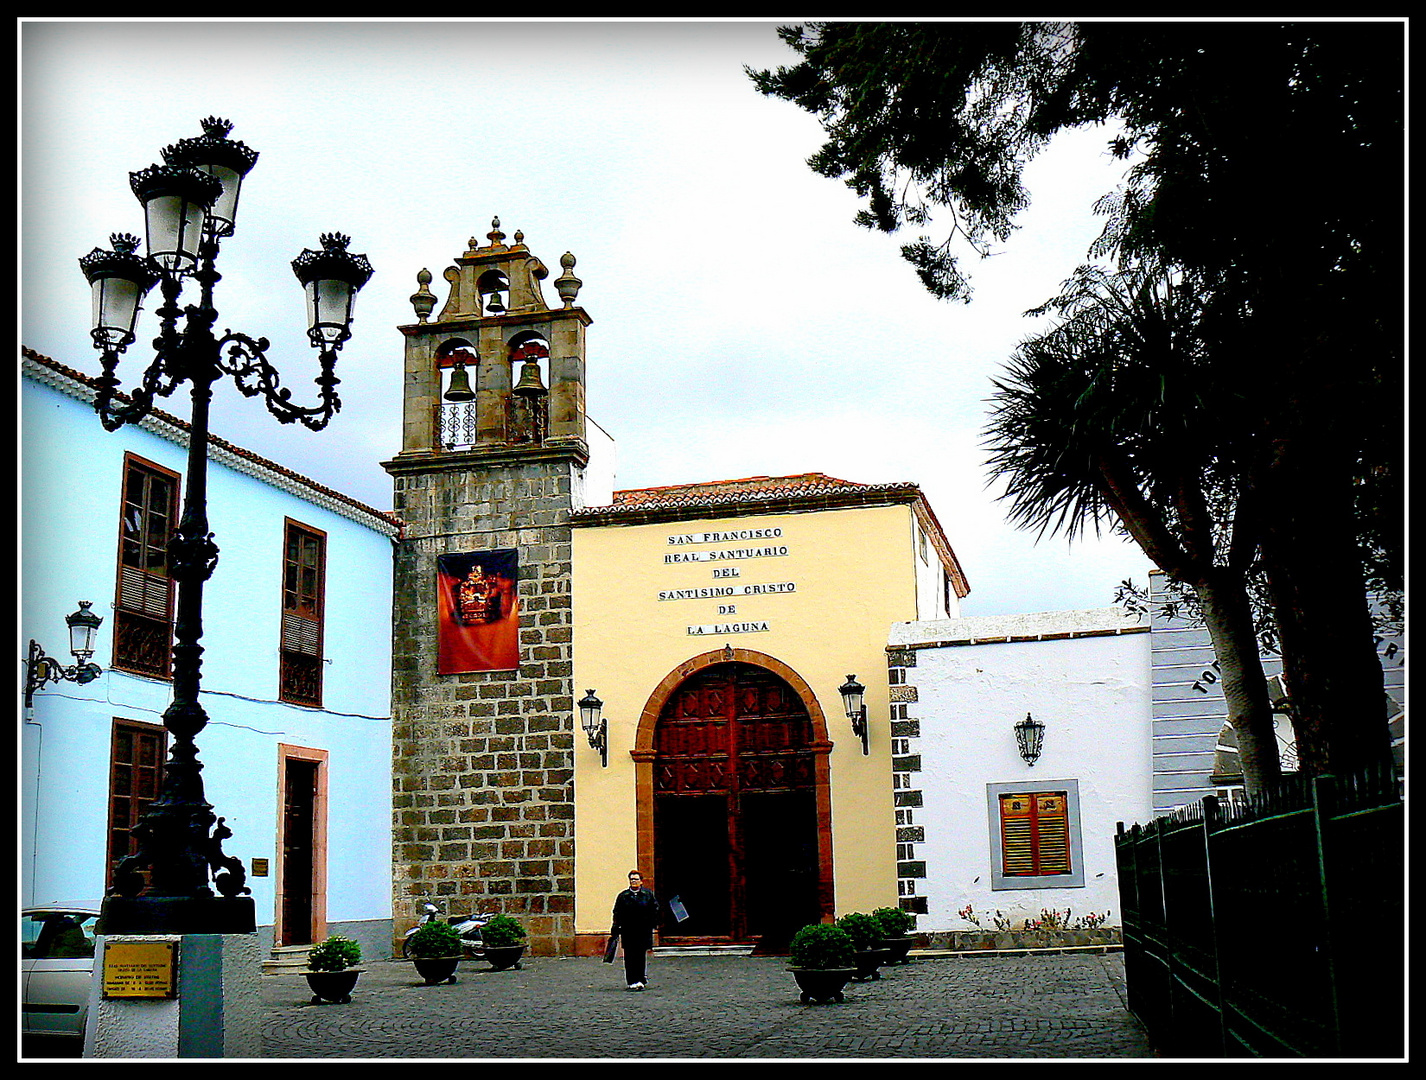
(296, 667)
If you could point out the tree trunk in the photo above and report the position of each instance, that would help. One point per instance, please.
(1222, 595)
(1223, 602)
(1334, 678)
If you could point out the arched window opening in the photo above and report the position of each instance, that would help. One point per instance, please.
(456, 361)
(494, 289)
(529, 400)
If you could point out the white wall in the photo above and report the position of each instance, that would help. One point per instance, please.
(71, 471)
(1091, 690)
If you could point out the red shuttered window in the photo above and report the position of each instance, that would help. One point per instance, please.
(1034, 834)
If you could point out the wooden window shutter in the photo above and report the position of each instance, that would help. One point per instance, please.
(138, 752)
(143, 623)
(1034, 834)
(304, 569)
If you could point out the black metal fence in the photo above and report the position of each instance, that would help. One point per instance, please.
(1275, 929)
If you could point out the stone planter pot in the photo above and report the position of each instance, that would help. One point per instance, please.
(501, 957)
(821, 984)
(436, 969)
(868, 960)
(333, 986)
(897, 949)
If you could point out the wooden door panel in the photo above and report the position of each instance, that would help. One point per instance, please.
(298, 867)
(695, 867)
(780, 852)
(735, 808)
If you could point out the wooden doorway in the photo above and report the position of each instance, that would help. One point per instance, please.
(736, 765)
(302, 845)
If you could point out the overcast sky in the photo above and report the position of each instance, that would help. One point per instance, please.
(743, 325)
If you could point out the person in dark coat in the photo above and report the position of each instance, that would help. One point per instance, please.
(636, 916)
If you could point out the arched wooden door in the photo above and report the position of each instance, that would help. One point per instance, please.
(735, 805)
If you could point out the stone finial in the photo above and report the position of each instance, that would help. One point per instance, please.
(567, 285)
(495, 236)
(423, 300)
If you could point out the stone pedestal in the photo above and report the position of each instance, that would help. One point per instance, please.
(217, 1012)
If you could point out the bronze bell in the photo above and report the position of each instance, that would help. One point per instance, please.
(460, 390)
(529, 379)
(493, 306)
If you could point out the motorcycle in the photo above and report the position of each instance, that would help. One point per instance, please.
(468, 926)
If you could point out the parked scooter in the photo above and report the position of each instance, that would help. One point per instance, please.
(468, 926)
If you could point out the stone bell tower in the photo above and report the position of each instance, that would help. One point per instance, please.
(492, 462)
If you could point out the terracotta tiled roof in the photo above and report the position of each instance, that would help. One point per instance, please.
(750, 489)
(769, 494)
(284, 476)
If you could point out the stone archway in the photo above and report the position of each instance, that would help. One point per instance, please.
(734, 809)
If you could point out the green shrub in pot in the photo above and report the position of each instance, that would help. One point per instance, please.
(863, 929)
(502, 932)
(337, 953)
(434, 939)
(822, 945)
(894, 922)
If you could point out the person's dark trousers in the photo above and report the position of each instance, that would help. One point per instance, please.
(634, 965)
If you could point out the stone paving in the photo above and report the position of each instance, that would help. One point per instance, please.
(1067, 1005)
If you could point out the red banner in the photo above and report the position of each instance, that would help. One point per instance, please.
(479, 612)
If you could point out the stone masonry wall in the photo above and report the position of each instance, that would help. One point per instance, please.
(483, 766)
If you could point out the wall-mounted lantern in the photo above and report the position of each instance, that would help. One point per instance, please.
(596, 728)
(1029, 737)
(852, 697)
(41, 668)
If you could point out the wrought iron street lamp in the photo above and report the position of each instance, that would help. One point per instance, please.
(41, 668)
(596, 728)
(852, 697)
(1029, 737)
(190, 204)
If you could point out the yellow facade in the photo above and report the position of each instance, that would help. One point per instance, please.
(815, 591)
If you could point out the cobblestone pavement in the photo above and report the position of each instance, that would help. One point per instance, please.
(1035, 1006)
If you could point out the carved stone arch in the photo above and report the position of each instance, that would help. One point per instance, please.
(451, 345)
(644, 755)
(649, 718)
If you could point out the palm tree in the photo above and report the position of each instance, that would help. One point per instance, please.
(1118, 414)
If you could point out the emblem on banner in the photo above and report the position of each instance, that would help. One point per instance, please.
(477, 598)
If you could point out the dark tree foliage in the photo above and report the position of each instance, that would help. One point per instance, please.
(1265, 160)
(1111, 415)
(1238, 134)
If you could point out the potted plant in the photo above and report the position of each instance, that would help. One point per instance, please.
(896, 926)
(504, 940)
(865, 933)
(331, 969)
(823, 959)
(436, 951)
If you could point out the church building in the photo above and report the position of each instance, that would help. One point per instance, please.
(689, 680)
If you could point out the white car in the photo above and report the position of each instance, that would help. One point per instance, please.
(56, 967)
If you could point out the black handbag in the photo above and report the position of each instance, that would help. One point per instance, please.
(612, 947)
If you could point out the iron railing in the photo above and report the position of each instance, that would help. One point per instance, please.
(1272, 929)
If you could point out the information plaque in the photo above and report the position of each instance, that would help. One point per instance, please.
(140, 969)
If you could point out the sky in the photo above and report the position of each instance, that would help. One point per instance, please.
(743, 325)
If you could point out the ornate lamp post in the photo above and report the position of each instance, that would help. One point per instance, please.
(190, 205)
